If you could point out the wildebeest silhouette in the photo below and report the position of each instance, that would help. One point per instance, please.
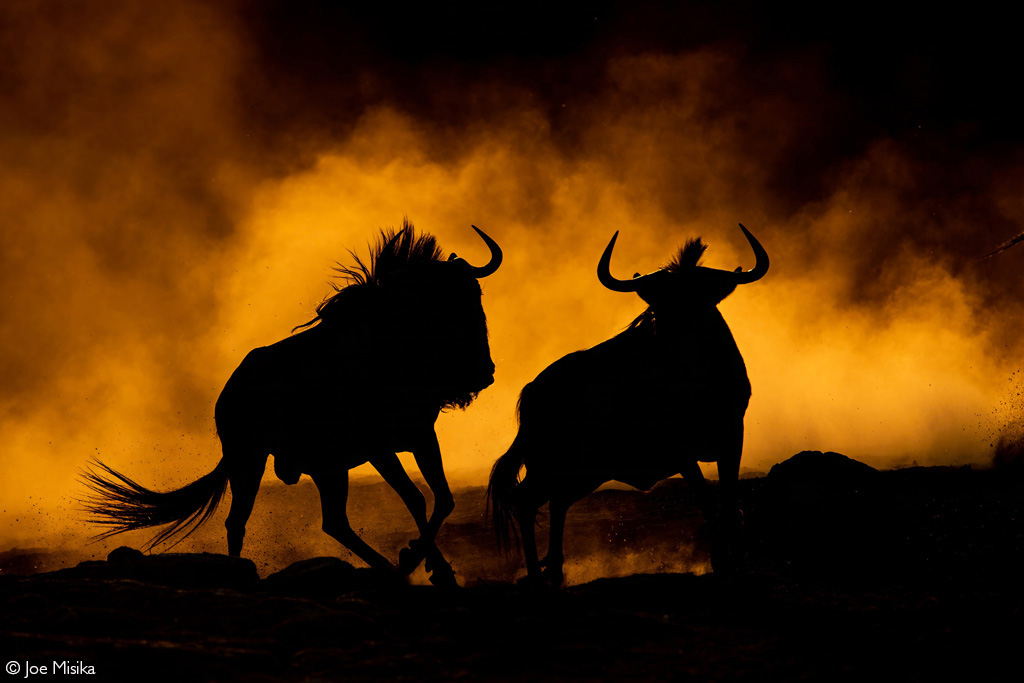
(668, 392)
(365, 379)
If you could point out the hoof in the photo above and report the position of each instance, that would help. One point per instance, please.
(534, 581)
(444, 577)
(551, 572)
(552, 578)
(408, 559)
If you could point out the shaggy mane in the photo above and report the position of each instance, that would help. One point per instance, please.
(393, 252)
(689, 255)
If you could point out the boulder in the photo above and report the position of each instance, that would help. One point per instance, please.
(821, 468)
(326, 576)
(175, 570)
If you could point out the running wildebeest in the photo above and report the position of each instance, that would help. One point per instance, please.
(668, 392)
(363, 380)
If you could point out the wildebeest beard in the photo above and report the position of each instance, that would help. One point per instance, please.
(459, 392)
(461, 401)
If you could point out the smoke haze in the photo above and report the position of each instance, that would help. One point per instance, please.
(177, 184)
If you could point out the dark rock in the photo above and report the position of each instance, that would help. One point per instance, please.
(824, 468)
(125, 555)
(175, 570)
(916, 575)
(325, 577)
(818, 513)
(315, 576)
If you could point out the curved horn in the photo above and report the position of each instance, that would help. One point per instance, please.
(760, 266)
(604, 273)
(484, 271)
(756, 273)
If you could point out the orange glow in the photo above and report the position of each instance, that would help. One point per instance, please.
(147, 249)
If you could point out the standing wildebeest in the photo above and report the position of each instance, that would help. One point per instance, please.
(367, 378)
(669, 391)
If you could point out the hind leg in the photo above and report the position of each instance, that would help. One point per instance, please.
(526, 517)
(527, 502)
(555, 558)
(560, 504)
(333, 487)
(244, 476)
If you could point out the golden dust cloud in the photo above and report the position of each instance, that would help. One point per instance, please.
(147, 248)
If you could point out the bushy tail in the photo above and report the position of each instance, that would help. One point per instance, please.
(124, 505)
(500, 493)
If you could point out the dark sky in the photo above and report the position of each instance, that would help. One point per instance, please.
(940, 82)
(902, 65)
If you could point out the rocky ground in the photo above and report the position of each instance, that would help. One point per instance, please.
(912, 574)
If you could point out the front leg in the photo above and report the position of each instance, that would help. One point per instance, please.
(428, 458)
(427, 453)
(729, 556)
(333, 487)
(390, 468)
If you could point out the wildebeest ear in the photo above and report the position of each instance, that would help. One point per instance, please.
(636, 275)
(452, 257)
(739, 269)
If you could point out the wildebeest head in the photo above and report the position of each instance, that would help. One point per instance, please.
(444, 301)
(684, 283)
(422, 315)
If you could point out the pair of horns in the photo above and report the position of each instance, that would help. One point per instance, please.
(738, 277)
(483, 271)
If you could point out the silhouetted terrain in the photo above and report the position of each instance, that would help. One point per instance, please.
(852, 573)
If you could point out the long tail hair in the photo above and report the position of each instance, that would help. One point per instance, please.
(500, 495)
(121, 504)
